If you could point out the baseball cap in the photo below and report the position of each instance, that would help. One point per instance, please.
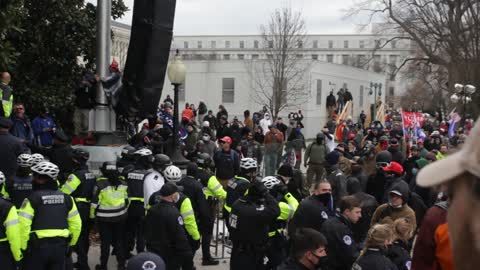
(394, 167)
(226, 139)
(168, 189)
(146, 260)
(465, 160)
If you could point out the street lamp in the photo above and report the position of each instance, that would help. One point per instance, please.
(463, 93)
(176, 74)
(373, 91)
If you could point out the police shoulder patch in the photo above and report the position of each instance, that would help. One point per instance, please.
(347, 240)
(180, 220)
(71, 177)
(24, 204)
(408, 264)
(149, 265)
(324, 215)
(355, 266)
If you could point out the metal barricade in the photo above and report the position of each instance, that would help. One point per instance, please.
(222, 245)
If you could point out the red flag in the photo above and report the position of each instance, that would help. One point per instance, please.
(412, 119)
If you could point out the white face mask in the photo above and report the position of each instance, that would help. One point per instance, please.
(206, 138)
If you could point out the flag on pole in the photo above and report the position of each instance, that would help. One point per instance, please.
(455, 118)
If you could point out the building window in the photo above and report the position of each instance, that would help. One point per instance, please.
(300, 44)
(319, 92)
(226, 57)
(377, 44)
(391, 91)
(269, 56)
(255, 44)
(362, 44)
(270, 44)
(242, 44)
(330, 58)
(198, 57)
(241, 56)
(345, 59)
(345, 44)
(227, 44)
(330, 44)
(393, 60)
(299, 56)
(185, 44)
(254, 56)
(213, 44)
(228, 90)
(393, 76)
(360, 100)
(314, 56)
(199, 44)
(393, 43)
(315, 44)
(212, 57)
(181, 92)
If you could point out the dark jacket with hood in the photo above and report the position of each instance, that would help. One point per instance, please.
(399, 255)
(337, 180)
(374, 259)
(312, 212)
(369, 205)
(386, 210)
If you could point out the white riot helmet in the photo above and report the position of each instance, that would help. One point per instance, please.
(25, 160)
(172, 173)
(248, 164)
(206, 124)
(37, 158)
(144, 152)
(46, 168)
(270, 181)
(2, 178)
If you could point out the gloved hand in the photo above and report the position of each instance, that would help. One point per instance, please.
(196, 244)
(69, 251)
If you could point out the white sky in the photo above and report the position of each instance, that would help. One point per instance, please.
(223, 17)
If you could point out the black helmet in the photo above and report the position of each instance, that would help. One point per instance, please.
(320, 136)
(109, 169)
(127, 151)
(80, 155)
(384, 157)
(161, 161)
(204, 160)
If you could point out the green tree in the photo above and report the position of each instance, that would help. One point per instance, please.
(55, 33)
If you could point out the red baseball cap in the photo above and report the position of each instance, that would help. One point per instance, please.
(394, 167)
(226, 139)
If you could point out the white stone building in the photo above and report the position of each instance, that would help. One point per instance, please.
(216, 70)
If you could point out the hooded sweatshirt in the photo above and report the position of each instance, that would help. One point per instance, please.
(385, 210)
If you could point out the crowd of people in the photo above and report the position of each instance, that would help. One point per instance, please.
(360, 204)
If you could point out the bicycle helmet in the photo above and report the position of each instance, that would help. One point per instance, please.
(248, 164)
(47, 169)
(128, 150)
(173, 173)
(25, 160)
(80, 155)
(2, 178)
(143, 152)
(270, 181)
(206, 124)
(161, 161)
(37, 158)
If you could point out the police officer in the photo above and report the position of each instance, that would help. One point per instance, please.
(126, 160)
(277, 248)
(136, 210)
(21, 184)
(249, 224)
(173, 175)
(314, 210)
(213, 191)
(110, 207)
(80, 184)
(238, 186)
(342, 248)
(155, 180)
(164, 230)
(146, 260)
(10, 241)
(37, 158)
(194, 191)
(50, 221)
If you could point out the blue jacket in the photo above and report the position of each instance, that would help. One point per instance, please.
(44, 138)
(22, 129)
